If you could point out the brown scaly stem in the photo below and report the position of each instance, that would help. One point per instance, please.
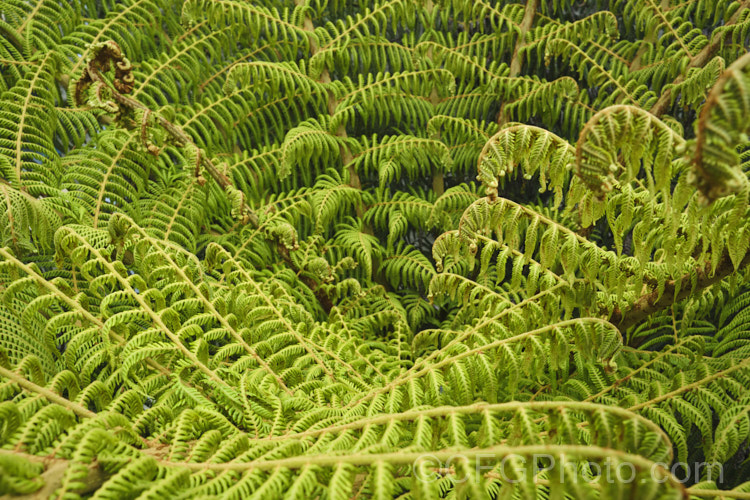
(650, 303)
(517, 59)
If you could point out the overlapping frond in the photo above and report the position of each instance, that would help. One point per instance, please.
(375, 249)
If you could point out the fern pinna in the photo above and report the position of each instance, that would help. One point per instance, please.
(388, 249)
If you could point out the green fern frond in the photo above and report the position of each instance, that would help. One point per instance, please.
(381, 249)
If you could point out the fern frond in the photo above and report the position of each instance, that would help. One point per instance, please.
(388, 249)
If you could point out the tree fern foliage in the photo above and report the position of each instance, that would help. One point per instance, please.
(374, 249)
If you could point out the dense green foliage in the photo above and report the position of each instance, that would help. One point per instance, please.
(389, 249)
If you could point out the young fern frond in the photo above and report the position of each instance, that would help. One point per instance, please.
(720, 128)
